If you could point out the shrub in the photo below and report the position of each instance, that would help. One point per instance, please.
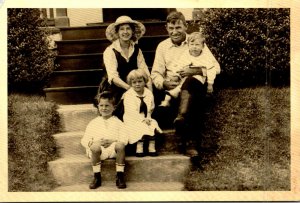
(30, 62)
(31, 124)
(252, 45)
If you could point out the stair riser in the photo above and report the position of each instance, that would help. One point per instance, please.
(69, 144)
(98, 46)
(75, 96)
(82, 47)
(79, 62)
(142, 170)
(95, 61)
(89, 32)
(84, 114)
(98, 32)
(74, 79)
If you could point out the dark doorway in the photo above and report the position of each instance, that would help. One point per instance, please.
(141, 14)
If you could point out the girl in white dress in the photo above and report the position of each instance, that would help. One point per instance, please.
(138, 107)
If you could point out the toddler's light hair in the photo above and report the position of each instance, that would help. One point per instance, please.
(196, 35)
(137, 73)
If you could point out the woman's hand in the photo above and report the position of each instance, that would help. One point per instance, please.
(120, 83)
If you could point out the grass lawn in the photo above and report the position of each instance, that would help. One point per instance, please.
(31, 124)
(248, 134)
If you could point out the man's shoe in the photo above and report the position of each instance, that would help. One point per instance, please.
(179, 120)
(192, 152)
(120, 181)
(96, 182)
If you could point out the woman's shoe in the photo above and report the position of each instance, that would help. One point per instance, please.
(152, 153)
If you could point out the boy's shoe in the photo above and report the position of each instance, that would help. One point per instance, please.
(120, 181)
(96, 182)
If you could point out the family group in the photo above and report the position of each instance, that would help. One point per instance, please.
(130, 95)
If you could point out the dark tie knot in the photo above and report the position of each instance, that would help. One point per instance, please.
(143, 106)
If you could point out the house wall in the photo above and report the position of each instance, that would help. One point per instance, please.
(81, 16)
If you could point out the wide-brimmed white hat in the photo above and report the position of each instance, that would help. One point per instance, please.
(112, 35)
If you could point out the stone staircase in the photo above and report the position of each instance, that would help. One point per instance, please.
(73, 171)
(73, 86)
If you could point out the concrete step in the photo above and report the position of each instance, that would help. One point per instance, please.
(76, 117)
(76, 169)
(91, 61)
(74, 78)
(131, 186)
(68, 143)
(97, 31)
(87, 46)
(71, 95)
(79, 61)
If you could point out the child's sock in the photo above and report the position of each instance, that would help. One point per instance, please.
(120, 167)
(97, 168)
(151, 147)
(140, 149)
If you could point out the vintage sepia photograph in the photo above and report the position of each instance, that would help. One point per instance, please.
(149, 102)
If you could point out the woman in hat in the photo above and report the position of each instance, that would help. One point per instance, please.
(123, 55)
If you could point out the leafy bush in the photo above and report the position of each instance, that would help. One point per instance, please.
(252, 45)
(31, 124)
(30, 62)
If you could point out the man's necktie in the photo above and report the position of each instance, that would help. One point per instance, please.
(143, 106)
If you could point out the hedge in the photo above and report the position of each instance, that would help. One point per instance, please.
(30, 62)
(252, 45)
